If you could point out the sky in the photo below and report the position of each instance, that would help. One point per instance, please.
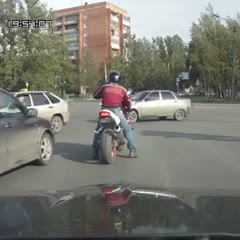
(152, 18)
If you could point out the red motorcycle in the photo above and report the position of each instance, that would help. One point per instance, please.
(111, 136)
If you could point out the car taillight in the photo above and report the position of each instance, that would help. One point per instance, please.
(103, 114)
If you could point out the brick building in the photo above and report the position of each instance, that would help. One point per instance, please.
(100, 28)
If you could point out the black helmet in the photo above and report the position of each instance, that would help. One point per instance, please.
(114, 77)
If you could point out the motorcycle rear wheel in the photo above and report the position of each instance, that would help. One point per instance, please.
(107, 148)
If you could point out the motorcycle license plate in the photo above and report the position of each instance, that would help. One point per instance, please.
(104, 120)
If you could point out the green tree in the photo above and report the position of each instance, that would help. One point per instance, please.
(10, 61)
(151, 63)
(210, 52)
(32, 55)
(90, 77)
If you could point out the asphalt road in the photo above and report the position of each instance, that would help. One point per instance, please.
(201, 152)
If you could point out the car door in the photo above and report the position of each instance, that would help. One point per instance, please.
(43, 105)
(55, 103)
(169, 103)
(150, 106)
(22, 132)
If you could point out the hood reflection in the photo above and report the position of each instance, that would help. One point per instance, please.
(116, 210)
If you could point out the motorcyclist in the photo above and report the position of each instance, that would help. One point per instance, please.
(114, 97)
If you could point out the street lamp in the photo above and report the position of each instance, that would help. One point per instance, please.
(233, 53)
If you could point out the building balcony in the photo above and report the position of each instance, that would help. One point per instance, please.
(126, 23)
(116, 38)
(70, 30)
(114, 29)
(70, 22)
(72, 39)
(115, 46)
(74, 48)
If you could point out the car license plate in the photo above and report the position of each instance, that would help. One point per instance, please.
(104, 120)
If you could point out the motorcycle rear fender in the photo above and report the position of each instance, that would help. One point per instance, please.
(110, 131)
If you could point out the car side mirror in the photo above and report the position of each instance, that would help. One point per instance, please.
(32, 112)
(146, 99)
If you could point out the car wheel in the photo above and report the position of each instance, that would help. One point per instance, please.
(46, 149)
(133, 116)
(179, 115)
(57, 124)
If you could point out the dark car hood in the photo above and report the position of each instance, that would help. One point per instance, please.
(129, 210)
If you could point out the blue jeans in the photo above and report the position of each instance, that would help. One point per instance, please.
(131, 144)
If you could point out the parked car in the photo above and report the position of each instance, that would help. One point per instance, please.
(159, 103)
(49, 106)
(23, 136)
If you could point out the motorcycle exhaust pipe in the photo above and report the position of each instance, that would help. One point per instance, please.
(117, 128)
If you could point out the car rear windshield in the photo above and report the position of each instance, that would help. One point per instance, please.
(52, 98)
(139, 96)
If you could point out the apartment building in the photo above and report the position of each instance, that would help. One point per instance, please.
(100, 28)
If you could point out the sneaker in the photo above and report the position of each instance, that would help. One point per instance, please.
(132, 153)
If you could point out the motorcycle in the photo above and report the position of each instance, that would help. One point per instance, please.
(111, 138)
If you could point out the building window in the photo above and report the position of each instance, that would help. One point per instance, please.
(71, 18)
(85, 34)
(72, 44)
(85, 16)
(85, 43)
(85, 25)
(72, 36)
(115, 33)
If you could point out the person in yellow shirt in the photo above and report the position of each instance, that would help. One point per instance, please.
(24, 90)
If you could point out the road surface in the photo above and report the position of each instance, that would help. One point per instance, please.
(201, 152)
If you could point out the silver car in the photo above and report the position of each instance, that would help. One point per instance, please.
(49, 106)
(159, 103)
(23, 136)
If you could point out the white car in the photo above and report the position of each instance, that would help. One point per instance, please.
(49, 106)
(159, 103)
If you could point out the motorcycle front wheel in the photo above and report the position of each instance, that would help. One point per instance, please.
(107, 148)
